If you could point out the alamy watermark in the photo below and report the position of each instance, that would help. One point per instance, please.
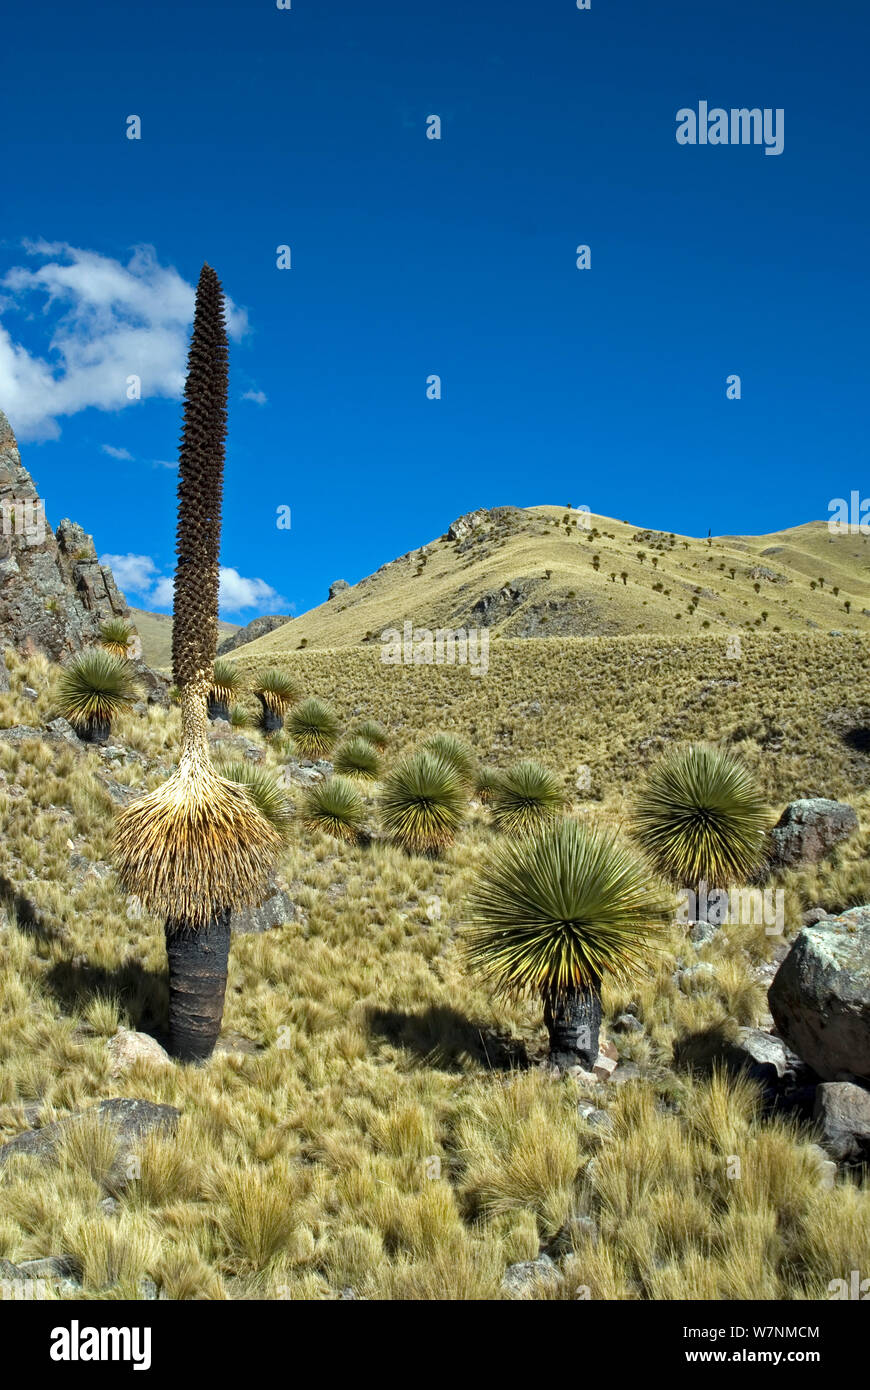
(736, 907)
(739, 126)
(849, 517)
(24, 517)
(445, 646)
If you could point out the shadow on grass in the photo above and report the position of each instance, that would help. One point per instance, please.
(143, 995)
(857, 739)
(445, 1039)
(26, 915)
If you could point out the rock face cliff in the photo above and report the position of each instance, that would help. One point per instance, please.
(54, 593)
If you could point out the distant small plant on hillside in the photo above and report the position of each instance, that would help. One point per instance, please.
(276, 691)
(357, 758)
(226, 682)
(374, 733)
(264, 791)
(486, 784)
(700, 817)
(423, 802)
(457, 752)
(525, 796)
(314, 726)
(115, 635)
(93, 690)
(335, 807)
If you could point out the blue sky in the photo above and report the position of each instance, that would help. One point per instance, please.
(412, 257)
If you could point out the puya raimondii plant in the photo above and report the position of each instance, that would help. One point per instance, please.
(197, 847)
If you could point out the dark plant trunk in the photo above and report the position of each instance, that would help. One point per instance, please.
(95, 731)
(217, 709)
(573, 1022)
(270, 722)
(198, 958)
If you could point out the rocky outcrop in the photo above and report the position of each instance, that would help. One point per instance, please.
(130, 1119)
(54, 593)
(257, 627)
(820, 996)
(337, 587)
(808, 830)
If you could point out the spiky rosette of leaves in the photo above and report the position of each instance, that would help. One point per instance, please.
(374, 733)
(115, 635)
(200, 487)
(335, 807)
(559, 910)
(94, 687)
(423, 802)
(357, 758)
(457, 752)
(314, 727)
(525, 796)
(701, 817)
(226, 681)
(265, 792)
(486, 783)
(277, 690)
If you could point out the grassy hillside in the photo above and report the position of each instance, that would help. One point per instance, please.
(795, 705)
(538, 572)
(155, 629)
(374, 1121)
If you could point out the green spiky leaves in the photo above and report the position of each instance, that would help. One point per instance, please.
(335, 807)
(374, 733)
(455, 751)
(423, 802)
(115, 635)
(701, 818)
(559, 910)
(200, 487)
(265, 793)
(94, 687)
(525, 797)
(357, 758)
(226, 680)
(314, 726)
(276, 689)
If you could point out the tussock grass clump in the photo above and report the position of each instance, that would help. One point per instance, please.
(423, 802)
(336, 807)
(358, 758)
(456, 751)
(94, 688)
(314, 728)
(374, 733)
(115, 636)
(700, 817)
(525, 796)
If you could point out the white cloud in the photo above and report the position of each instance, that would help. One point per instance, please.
(166, 463)
(103, 322)
(138, 575)
(134, 572)
(117, 453)
(258, 397)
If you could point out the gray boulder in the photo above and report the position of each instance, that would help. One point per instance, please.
(338, 587)
(131, 1119)
(808, 830)
(758, 1053)
(842, 1111)
(257, 627)
(520, 1279)
(275, 911)
(820, 996)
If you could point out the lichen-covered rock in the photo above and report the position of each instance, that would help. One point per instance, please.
(820, 996)
(842, 1111)
(131, 1119)
(808, 830)
(257, 627)
(126, 1049)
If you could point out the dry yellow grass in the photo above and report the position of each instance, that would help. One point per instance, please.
(387, 1131)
